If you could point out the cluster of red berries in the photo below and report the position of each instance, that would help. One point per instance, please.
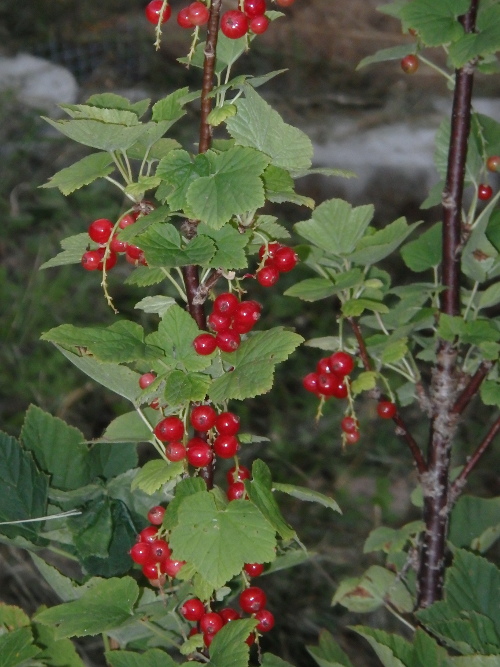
(329, 378)
(277, 259)
(350, 425)
(101, 231)
(485, 191)
(229, 318)
(234, 23)
(152, 552)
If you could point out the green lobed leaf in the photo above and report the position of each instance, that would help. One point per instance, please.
(312, 289)
(490, 392)
(170, 108)
(229, 245)
(151, 149)
(253, 365)
(114, 101)
(92, 530)
(16, 647)
(105, 606)
(490, 297)
(163, 246)
(187, 487)
(158, 304)
(95, 134)
(229, 648)
(370, 591)
(394, 53)
(425, 252)
(73, 248)
(128, 427)
(390, 540)
(181, 387)
(271, 660)
(260, 492)
(92, 112)
(154, 474)
(179, 170)
(482, 43)
(218, 115)
(392, 650)
(355, 307)
(59, 449)
(12, 618)
(266, 224)
(435, 22)
(155, 657)
(259, 126)
(308, 495)
(143, 276)
(218, 542)
(364, 382)
(55, 652)
(110, 460)
(85, 171)
(328, 653)
(375, 247)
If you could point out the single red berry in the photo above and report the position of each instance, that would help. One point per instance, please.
(254, 7)
(117, 245)
(148, 534)
(324, 366)
(246, 316)
(349, 424)
(484, 192)
(218, 322)
(234, 24)
(193, 609)
(268, 276)
(203, 418)
(146, 379)
(310, 383)
(184, 18)
(250, 639)
(266, 620)
(386, 409)
(127, 220)
(254, 569)
(226, 303)
(100, 230)
(208, 639)
(342, 363)
(199, 454)
(110, 259)
(226, 446)
(493, 163)
(285, 3)
(228, 341)
(227, 423)
(169, 429)
(285, 259)
(198, 13)
(153, 12)
(237, 474)
(236, 491)
(150, 570)
(171, 567)
(175, 451)
(339, 389)
(229, 615)
(259, 24)
(155, 404)
(272, 249)
(134, 252)
(155, 515)
(252, 599)
(326, 383)
(159, 550)
(352, 437)
(91, 260)
(205, 344)
(409, 64)
(141, 553)
(211, 623)
(135, 261)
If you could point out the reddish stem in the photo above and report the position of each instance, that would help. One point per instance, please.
(472, 388)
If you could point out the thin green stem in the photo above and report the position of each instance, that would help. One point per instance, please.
(471, 299)
(181, 292)
(436, 68)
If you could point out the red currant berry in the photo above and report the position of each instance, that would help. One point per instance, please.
(127, 220)
(226, 303)
(342, 363)
(171, 567)
(117, 245)
(484, 192)
(310, 383)
(324, 366)
(193, 609)
(326, 383)
(254, 7)
(246, 316)
(100, 230)
(285, 259)
(198, 13)
(349, 424)
(386, 409)
(237, 474)
(91, 260)
(352, 437)
(339, 389)
(254, 569)
(153, 12)
(169, 429)
(175, 451)
(148, 534)
(208, 639)
(259, 24)
(409, 64)
(228, 341)
(266, 620)
(146, 379)
(226, 446)
(203, 418)
(159, 550)
(250, 639)
(199, 454)
(272, 249)
(134, 252)
(236, 491)
(110, 259)
(285, 3)
(155, 404)
(229, 615)
(184, 18)
(268, 276)
(493, 163)
(234, 24)
(155, 515)
(141, 553)
(218, 322)
(211, 623)
(227, 423)
(150, 570)
(205, 344)
(252, 599)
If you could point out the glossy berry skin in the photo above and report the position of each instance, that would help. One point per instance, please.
(310, 383)
(171, 567)
(175, 451)
(110, 259)
(252, 599)
(254, 569)
(153, 12)
(237, 475)
(254, 7)
(159, 550)
(184, 19)
(234, 24)
(326, 384)
(229, 615)
(246, 316)
(226, 303)
(148, 534)
(134, 252)
(100, 230)
(409, 64)
(349, 424)
(150, 570)
(386, 409)
(218, 322)
(266, 620)
(91, 260)
(211, 623)
(268, 276)
(117, 245)
(140, 553)
(324, 366)
(198, 13)
(352, 437)
(155, 515)
(259, 24)
(339, 389)
(285, 259)
(226, 446)
(203, 418)
(193, 609)
(493, 163)
(228, 341)
(146, 379)
(484, 192)
(199, 455)
(169, 429)
(205, 344)
(227, 423)
(236, 491)
(342, 363)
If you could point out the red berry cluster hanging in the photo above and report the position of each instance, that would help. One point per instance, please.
(329, 378)
(152, 552)
(277, 259)
(101, 231)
